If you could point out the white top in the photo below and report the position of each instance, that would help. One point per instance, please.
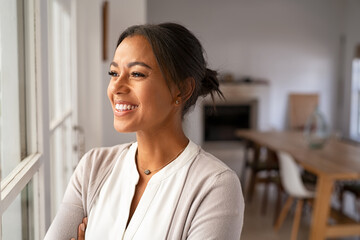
(110, 212)
(210, 205)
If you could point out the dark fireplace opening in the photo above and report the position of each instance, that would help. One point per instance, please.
(220, 125)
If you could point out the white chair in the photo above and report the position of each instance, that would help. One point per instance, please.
(293, 185)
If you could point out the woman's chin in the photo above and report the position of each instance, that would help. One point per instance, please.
(123, 129)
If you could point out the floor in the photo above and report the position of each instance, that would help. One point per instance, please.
(260, 226)
(256, 225)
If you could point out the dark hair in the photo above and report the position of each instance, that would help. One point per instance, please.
(180, 56)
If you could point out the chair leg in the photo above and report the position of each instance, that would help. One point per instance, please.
(253, 173)
(244, 168)
(297, 218)
(283, 213)
(265, 197)
(251, 187)
(341, 200)
(278, 203)
(357, 207)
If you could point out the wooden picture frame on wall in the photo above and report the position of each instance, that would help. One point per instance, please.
(105, 12)
(357, 51)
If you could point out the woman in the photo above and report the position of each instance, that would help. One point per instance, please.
(163, 186)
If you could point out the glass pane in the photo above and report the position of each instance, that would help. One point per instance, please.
(12, 113)
(358, 115)
(61, 99)
(56, 156)
(356, 84)
(18, 219)
(60, 67)
(62, 163)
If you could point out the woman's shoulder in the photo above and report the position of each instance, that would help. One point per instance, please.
(207, 164)
(208, 177)
(99, 161)
(206, 171)
(102, 151)
(101, 155)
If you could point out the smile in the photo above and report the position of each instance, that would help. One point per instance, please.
(125, 107)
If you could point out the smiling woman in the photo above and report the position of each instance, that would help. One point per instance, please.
(163, 186)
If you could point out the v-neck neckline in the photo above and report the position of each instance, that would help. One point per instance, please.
(153, 184)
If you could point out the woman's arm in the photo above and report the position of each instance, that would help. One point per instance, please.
(85, 183)
(220, 214)
(64, 226)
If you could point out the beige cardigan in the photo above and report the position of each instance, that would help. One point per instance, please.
(210, 206)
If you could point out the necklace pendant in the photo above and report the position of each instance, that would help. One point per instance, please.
(147, 171)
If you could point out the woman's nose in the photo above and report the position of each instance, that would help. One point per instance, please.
(120, 85)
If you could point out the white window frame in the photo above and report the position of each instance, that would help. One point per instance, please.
(355, 100)
(36, 165)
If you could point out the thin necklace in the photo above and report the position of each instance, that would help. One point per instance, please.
(148, 171)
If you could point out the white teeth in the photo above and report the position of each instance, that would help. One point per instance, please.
(124, 107)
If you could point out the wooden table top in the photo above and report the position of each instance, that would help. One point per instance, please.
(337, 159)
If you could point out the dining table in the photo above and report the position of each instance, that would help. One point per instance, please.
(335, 161)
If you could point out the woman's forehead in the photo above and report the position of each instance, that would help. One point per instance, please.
(135, 46)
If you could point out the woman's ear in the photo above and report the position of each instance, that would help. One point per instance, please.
(187, 89)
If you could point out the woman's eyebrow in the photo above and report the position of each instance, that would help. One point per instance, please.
(114, 64)
(131, 64)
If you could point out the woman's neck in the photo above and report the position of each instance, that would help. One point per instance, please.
(157, 149)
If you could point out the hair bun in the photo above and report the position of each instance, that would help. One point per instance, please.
(210, 84)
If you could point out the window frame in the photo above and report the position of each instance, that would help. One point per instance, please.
(355, 100)
(35, 165)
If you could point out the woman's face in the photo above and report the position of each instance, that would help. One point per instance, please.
(139, 95)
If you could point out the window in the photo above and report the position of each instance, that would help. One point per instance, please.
(356, 79)
(355, 108)
(21, 214)
(38, 112)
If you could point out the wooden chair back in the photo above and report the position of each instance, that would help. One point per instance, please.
(301, 106)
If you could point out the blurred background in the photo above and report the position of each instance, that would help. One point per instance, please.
(55, 56)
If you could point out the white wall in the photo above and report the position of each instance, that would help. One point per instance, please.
(89, 71)
(293, 44)
(122, 14)
(95, 114)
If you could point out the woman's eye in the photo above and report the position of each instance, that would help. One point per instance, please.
(137, 74)
(113, 74)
